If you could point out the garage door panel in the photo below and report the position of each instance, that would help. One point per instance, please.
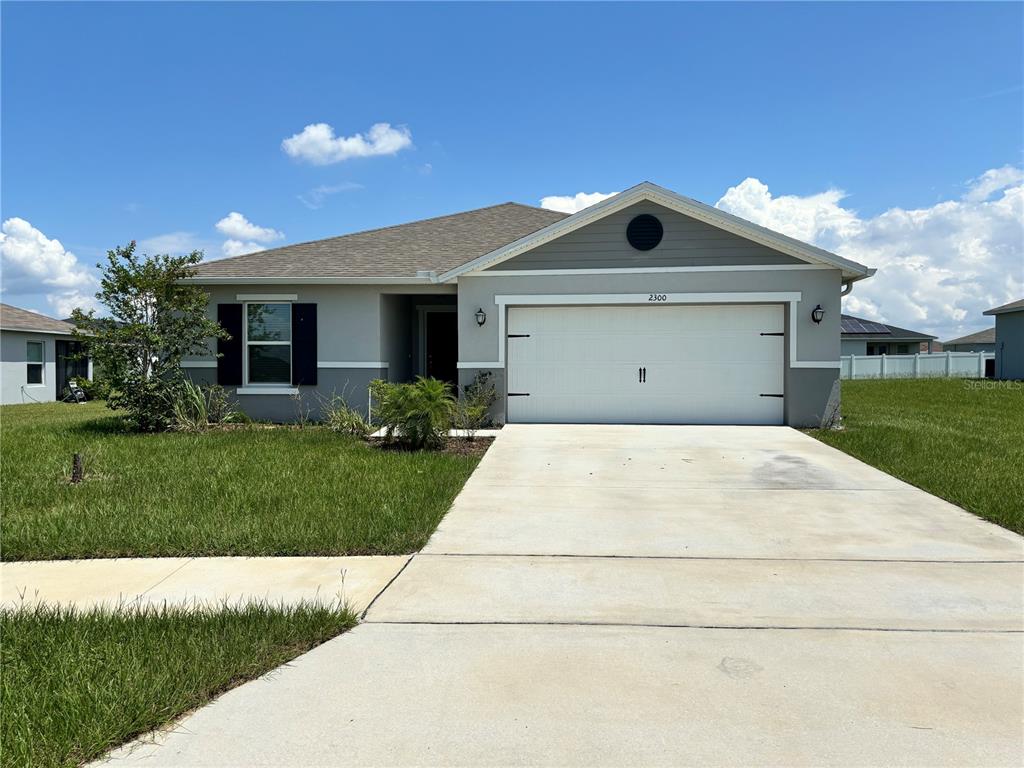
(703, 364)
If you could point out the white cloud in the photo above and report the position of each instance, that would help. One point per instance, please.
(992, 181)
(63, 304)
(244, 236)
(32, 263)
(234, 247)
(574, 203)
(172, 243)
(938, 267)
(236, 226)
(314, 198)
(318, 145)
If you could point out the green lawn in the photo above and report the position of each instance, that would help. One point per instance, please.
(252, 491)
(73, 685)
(962, 440)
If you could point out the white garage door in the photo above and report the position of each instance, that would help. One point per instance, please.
(720, 364)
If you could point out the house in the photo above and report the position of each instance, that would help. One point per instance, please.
(648, 307)
(38, 357)
(982, 341)
(1009, 340)
(868, 337)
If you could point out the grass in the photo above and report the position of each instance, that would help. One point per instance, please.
(253, 491)
(962, 440)
(73, 685)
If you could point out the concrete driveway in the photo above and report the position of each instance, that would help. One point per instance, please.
(605, 595)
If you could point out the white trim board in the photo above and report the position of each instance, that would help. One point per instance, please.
(266, 297)
(731, 297)
(198, 363)
(641, 270)
(285, 280)
(688, 207)
(333, 364)
(256, 390)
(33, 330)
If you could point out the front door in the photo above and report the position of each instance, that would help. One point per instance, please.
(442, 346)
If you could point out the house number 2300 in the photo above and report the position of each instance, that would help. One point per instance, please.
(658, 297)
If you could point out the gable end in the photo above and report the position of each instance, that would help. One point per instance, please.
(686, 242)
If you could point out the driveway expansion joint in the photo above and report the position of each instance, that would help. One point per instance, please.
(714, 557)
(742, 627)
(391, 581)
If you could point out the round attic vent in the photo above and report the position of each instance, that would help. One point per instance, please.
(644, 232)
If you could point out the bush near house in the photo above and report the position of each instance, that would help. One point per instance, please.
(960, 439)
(418, 415)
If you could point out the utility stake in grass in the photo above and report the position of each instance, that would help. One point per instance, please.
(77, 473)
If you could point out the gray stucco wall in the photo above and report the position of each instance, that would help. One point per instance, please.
(969, 347)
(14, 386)
(1009, 345)
(807, 389)
(356, 324)
(853, 347)
(686, 242)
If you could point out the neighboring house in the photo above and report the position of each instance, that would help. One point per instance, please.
(37, 357)
(868, 337)
(647, 307)
(982, 341)
(1009, 342)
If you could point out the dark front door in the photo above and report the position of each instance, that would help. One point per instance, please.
(442, 344)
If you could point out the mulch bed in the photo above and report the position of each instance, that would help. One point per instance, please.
(458, 446)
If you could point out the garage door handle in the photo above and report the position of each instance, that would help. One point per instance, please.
(519, 335)
(764, 395)
(518, 394)
(778, 333)
(641, 375)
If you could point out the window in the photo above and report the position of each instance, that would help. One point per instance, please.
(901, 349)
(34, 362)
(268, 343)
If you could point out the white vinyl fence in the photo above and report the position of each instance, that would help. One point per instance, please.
(968, 365)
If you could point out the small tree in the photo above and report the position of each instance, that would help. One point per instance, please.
(153, 321)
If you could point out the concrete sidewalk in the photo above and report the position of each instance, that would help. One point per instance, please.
(196, 582)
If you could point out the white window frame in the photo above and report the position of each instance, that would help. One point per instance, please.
(245, 348)
(41, 363)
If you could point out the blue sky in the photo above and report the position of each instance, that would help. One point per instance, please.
(154, 121)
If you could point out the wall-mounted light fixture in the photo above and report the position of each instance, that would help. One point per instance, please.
(817, 313)
(481, 316)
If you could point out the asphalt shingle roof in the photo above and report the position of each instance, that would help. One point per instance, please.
(17, 319)
(857, 326)
(988, 336)
(1013, 306)
(437, 244)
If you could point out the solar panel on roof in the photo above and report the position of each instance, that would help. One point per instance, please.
(850, 324)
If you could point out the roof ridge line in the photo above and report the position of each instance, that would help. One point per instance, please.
(385, 228)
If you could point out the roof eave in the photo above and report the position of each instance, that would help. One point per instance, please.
(285, 280)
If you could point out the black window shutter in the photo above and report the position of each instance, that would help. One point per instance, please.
(304, 344)
(229, 364)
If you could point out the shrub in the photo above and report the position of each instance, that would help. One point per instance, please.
(472, 412)
(194, 407)
(417, 415)
(339, 416)
(152, 320)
